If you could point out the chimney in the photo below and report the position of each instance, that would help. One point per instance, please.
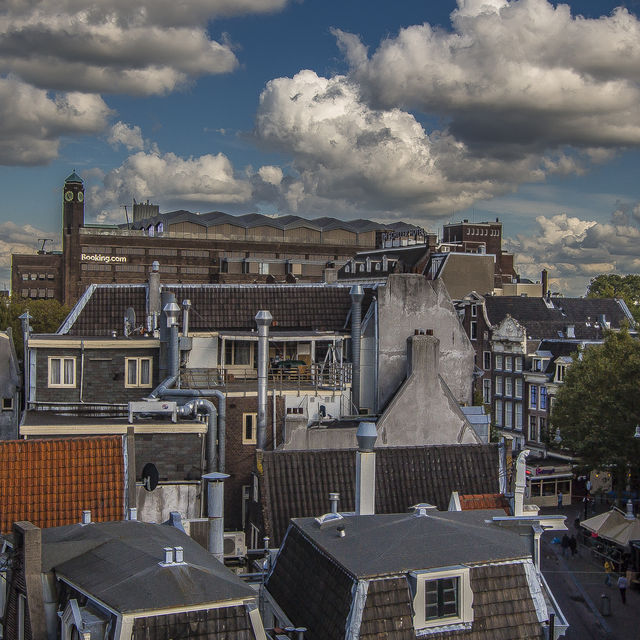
(186, 305)
(334, 498)
(571, 331)
(263, 320)
(154, 290)
(179, 554)
(544, 279)
(330, 275)
(171, 311)
(168, 555)
(86, 517)
(357, 294)
(521, 483)
(215, 512)
(133, 514)
(366, 469)
(166, 298)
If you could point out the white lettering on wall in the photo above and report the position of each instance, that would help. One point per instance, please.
(99, 257)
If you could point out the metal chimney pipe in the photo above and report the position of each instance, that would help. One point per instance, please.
(166, 297)
(357, 294)
(186, 305)
(263, 320)
(333, 501)
(366, 469)
(171, 311)
(154, 289)
(26, 328)
(215, 512)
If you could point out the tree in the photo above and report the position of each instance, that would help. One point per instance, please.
(598, 406)
(612, 285)
(47, 315)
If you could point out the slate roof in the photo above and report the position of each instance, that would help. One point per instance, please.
(411, 259)
(118, 563)
(50, 482)
(219, 307)
(316, 570)
(297, 483)
(541, 321)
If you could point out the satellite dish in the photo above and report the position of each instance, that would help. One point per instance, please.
(150, 476)
(129, 321)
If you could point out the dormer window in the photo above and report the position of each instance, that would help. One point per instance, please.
(536, 365)
(560, 372)
(442, 597)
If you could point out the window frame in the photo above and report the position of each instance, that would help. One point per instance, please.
(518, 388)
(499, 386)
(254, 428)
(138, 384)
(419, 579)
(533, 396)
(486, 391)
(7, 404)
(473, 330)
(543, 398)
(62, 384)
(486, 357)
(499, 361)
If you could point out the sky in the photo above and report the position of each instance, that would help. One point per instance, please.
(418, 110)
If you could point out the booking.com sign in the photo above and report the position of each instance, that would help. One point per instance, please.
(100, 257)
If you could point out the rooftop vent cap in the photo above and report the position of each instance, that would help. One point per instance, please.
(357, 293)
(366, 436)
(86, 517)
(328, 519)
(341, 532)
(422, 509)
(171, 310)
(263, 318)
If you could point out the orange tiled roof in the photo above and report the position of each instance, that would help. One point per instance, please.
(484, 501)
(50, 482)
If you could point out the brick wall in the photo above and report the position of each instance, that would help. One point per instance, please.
(177, 456)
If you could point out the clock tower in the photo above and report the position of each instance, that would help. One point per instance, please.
(72, 220)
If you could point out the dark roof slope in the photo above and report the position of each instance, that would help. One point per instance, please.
(315, 307)
(542, 321)
(118, 563)
(50, 482)
(297, 483)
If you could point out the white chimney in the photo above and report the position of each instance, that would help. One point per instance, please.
(168, 555)
(133, 513)
(179, 554)
(366, 469)
(521, 483)
(86, 517)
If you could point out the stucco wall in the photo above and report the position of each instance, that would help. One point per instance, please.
(409, 302)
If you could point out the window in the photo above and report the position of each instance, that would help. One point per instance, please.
(238, 352)
(498, 385)
(560, 371)
(62, 372)
(137, 372)
(249, 428)
(518, 409)
(441, 597)
(487, 360)
(508, 387)
(542, 423)
(536, 365)
(499, 362)
(533, 428)
(498, 412)
(7, 404)
(508, 363)
(508, 414)
(518, 393)
(486, 391)
(517, 363)
(533, 396)
(474, 310)
(543, 397)
(474, 330)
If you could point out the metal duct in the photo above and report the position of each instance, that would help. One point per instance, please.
(166, 298)
(164, 390)
(171, 312)
(186, 305)
(196, 406)
(357, 294)
(215, 512)
(366, 469)
(263, 320)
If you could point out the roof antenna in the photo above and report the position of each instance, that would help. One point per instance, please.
(44, 242)
(126, 213)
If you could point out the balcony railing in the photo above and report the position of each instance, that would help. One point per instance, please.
(314, 376)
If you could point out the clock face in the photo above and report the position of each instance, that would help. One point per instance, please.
(80, 196)
(68, 196)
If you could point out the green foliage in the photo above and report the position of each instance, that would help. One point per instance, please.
(47, 315)
(598, 406)
(612, 285)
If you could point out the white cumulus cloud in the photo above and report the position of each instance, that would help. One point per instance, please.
(126, 135)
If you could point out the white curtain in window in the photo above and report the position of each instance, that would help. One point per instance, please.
(55, 371)
(69, 364)
(145, 371)
(132, 372)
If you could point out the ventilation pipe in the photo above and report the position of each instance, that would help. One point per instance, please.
(154, 296)
(200, 405)
(357, 294)
(263, 320)
(171, 312)
(186, 305)
(521, 483)
(165, 391)
(366, 469)
(26, 331)
(166, 298)
(334, 498)
(215, 512)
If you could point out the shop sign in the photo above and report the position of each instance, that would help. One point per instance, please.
(101, 257)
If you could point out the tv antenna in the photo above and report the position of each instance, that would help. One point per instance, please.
(44, 242)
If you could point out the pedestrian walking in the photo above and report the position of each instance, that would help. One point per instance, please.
(622, 585)
(573, 545)
(565, 544)
(608, 568)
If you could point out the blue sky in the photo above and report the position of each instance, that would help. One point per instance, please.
(416, 110)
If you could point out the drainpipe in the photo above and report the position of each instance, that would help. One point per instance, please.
(164, 390)
(215, 512)
(205, 406)
(263, 320)
(26, 329)
(366, 469)
(357, 294)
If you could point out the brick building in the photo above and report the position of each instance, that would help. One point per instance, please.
(192, 248)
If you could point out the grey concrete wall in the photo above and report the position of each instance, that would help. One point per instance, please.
(424, 411)
(467, 272)
(409, 302)
(156, 505)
